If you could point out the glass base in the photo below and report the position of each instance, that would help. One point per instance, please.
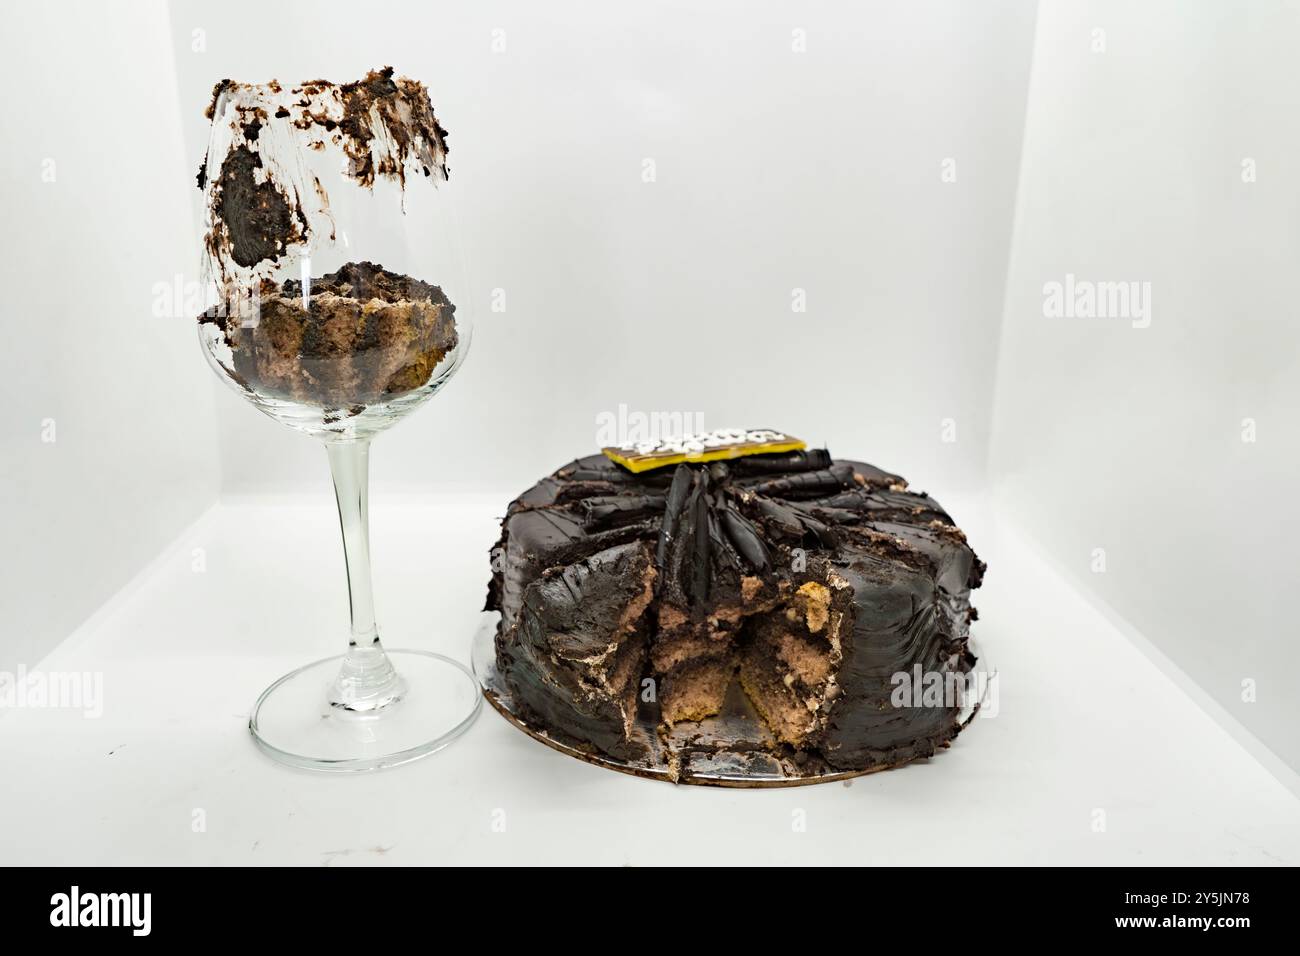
(295, 723)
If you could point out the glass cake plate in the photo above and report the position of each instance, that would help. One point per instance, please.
(729, 750)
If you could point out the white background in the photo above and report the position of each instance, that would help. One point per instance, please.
(776, 170)
(1107, 436)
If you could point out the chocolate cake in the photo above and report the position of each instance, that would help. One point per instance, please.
(363, 335)
(788, 588)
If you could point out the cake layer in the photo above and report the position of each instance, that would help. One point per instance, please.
(363, 335)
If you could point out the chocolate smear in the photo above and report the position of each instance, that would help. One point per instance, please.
(258, 219)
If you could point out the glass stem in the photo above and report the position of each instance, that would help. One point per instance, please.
(367, 681)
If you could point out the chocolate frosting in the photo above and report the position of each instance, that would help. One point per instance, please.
(264, 203)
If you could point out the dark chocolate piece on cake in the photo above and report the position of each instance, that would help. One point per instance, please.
(796, 583)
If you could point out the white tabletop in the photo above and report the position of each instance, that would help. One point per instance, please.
(1094, 756)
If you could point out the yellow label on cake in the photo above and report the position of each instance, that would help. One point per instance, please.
(719, 444)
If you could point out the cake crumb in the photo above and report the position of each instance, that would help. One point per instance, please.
(815, 600)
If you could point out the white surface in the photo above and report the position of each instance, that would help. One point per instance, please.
(1131, 439)
(1085, 723)
(775, 170)
(93, 180)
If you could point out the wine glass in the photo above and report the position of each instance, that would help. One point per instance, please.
(337, 305)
